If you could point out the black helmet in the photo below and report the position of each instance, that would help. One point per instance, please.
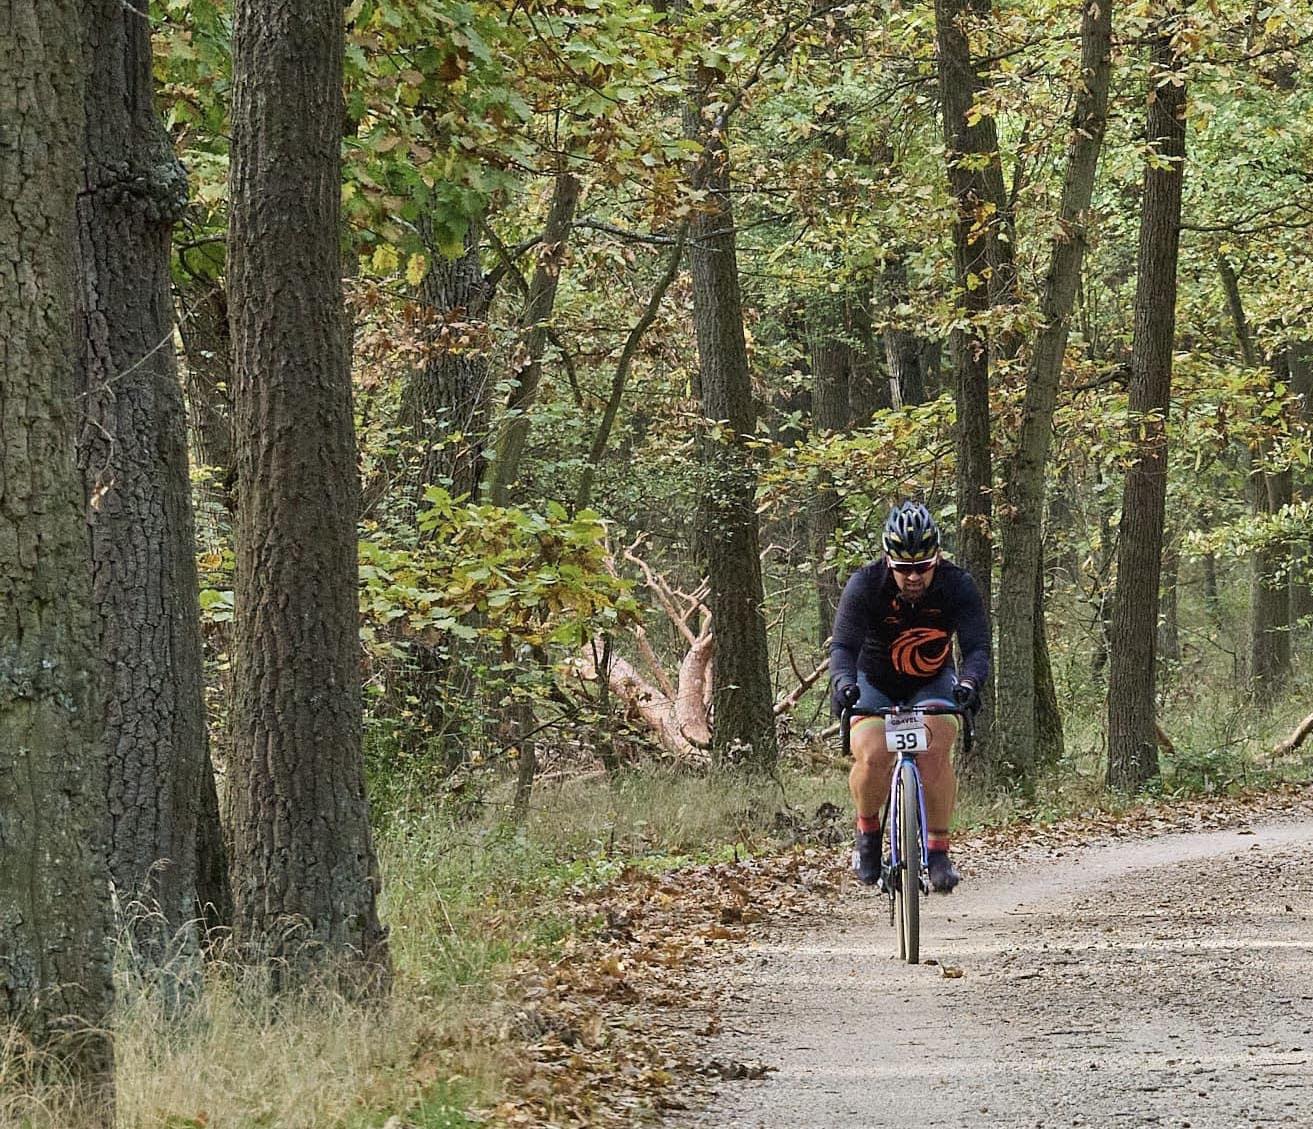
(910, 533)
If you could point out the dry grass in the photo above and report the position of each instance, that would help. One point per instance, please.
(461, 902)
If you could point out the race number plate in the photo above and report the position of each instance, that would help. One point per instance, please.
(906, 732)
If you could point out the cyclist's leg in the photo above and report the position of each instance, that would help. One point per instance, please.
(936, 764)
(868, 779)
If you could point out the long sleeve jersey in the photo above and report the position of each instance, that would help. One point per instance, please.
(899, 645)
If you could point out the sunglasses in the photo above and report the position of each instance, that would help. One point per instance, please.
(914, 568)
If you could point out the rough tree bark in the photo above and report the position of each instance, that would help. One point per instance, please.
(741, 693)
(1132, 736)
(505, 470)
(1021, 516)
(975, 177)
(132, 449)
(55, 972)
(304, 873)
(830, 364)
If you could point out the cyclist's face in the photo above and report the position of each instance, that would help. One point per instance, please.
(913, 584)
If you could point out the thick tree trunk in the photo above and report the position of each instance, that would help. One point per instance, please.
(55, 984)
(133, 453)
(830, 364)
(1132, 724)
(304, 874)
(505, 470)
(976, 179)
(742, 699)
(1021, 519)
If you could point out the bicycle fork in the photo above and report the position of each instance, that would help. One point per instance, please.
(893, 822)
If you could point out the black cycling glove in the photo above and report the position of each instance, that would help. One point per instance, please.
(844, 695)
(967, 696)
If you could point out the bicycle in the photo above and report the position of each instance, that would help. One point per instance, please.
(904, 878)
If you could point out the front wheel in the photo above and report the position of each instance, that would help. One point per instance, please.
(909, 885)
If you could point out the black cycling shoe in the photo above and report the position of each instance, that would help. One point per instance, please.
(866, 857)
(943, 874)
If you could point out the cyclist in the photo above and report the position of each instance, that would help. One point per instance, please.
(892, 644)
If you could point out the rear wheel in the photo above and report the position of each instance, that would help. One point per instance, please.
(909, 886)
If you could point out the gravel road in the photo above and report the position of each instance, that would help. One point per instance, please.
(1166, 981)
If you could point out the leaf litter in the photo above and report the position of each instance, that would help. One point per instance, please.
(608, 1029)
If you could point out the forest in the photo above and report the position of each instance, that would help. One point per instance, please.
(434, 437)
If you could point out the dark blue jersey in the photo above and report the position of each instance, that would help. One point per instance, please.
(900, 646)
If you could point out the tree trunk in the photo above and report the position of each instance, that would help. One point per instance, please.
(1269, 599)
(868, 387)
(1050, 743)
(55, 984)
(1269, 636)
(207, 346)
(445, 405)
(976, 180)
(830, 363)
(304, 874)
(1132, 723)
(1269, 604)
(133, 454)
(902, 347)
(1021, 519)
(537, 314)
(742, 700)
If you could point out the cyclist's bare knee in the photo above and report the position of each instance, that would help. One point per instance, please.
(868, 742)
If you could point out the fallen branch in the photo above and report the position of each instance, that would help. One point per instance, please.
(805, 683)
(1293, 742)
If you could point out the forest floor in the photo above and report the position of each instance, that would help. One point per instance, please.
(1148, 967)
(1077, 977)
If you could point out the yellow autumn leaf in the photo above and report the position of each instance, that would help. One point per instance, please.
(385, 259)
(416, 268)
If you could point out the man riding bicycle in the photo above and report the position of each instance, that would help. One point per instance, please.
(892, 645)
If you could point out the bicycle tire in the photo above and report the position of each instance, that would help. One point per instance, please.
(909, 891)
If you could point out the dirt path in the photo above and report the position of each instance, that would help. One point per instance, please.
(1166, 981)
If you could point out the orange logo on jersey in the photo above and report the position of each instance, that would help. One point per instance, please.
(920, 652)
